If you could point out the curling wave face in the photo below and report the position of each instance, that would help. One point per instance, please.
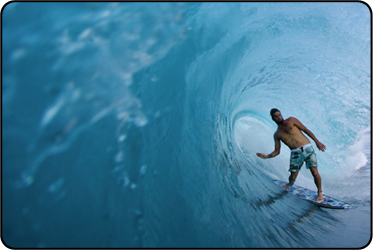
(137, 124)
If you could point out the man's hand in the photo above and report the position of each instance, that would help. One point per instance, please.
(321, 147)
(261, 155)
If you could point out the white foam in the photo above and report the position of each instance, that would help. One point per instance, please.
(358, 154)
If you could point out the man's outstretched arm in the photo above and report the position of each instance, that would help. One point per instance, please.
(274, 153)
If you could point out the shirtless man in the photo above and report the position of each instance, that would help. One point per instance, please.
(289, 132)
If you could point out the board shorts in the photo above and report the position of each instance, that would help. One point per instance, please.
(299, 155)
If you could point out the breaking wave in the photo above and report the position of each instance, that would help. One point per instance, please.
(137, 124)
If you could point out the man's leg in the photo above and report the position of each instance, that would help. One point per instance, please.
(317, 181)
(291, 179)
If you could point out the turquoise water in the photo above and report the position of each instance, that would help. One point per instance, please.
(137, 124)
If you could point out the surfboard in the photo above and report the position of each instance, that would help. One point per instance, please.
(309, 195)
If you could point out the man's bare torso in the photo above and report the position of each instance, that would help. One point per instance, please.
(290, 134)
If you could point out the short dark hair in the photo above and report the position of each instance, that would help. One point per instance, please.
(272, 111)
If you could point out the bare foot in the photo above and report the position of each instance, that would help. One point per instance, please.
(319, 197)
(285, 186)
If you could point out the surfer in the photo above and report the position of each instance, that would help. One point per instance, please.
(289, 132)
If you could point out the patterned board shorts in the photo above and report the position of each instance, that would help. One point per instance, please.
(299, 155)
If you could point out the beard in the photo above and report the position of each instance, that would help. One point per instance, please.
(279, 122)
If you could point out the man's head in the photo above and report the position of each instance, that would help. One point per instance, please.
(276, 116)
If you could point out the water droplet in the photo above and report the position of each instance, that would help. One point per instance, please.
(155, 79)
(137, 212)
(125, 179)
(18, 54)
(27, 179)
(119, 157)
(157, 114)
(121, 138)
(117, 168)
(140, 121)
(56, 186)
(143, 170)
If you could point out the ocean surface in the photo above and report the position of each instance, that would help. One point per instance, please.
(137, 124)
